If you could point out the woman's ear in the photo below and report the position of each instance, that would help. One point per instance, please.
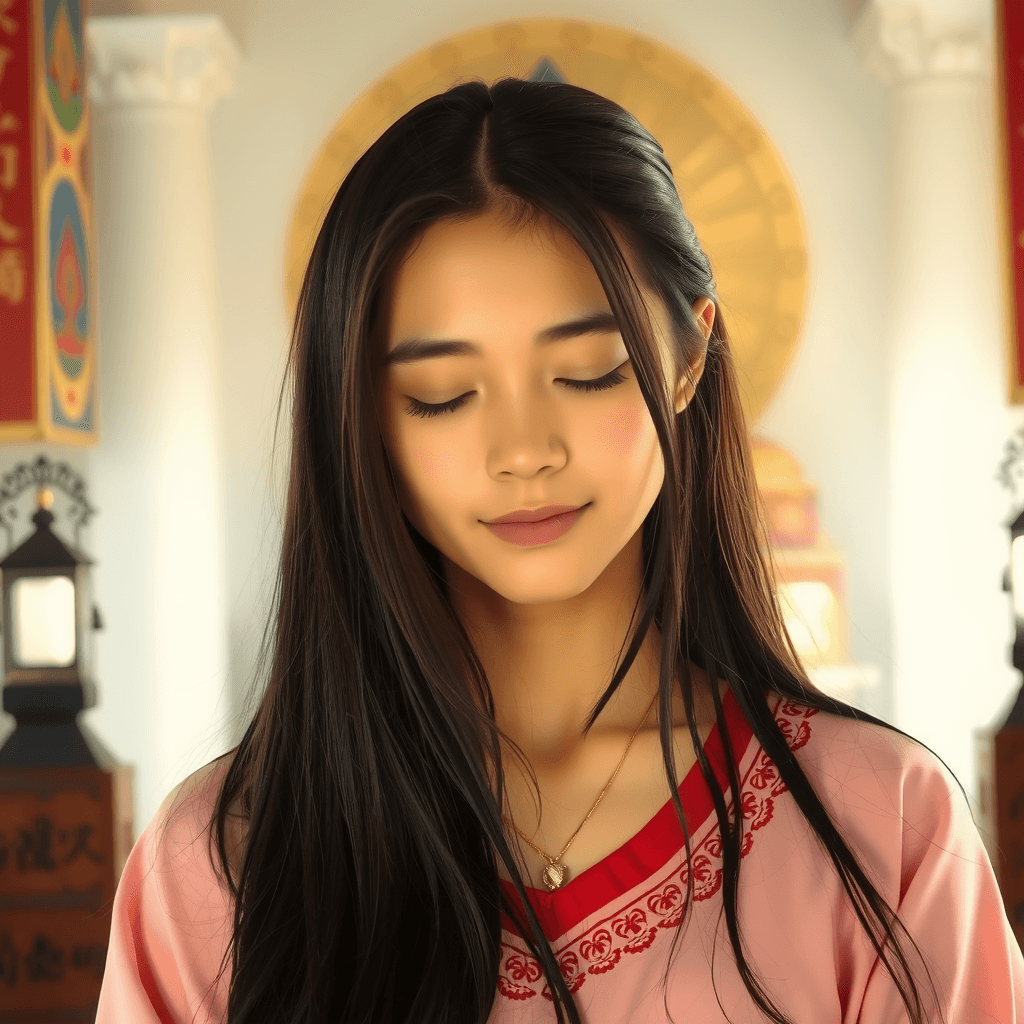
(704, 311)
(687, 387)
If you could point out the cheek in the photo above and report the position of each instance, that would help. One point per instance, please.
(430, 474)
(621, 432)
(434, 465)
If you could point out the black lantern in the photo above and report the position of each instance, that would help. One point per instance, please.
(48, 620)
(66, 805)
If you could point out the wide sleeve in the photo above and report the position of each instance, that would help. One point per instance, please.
(950, 903)
(171, 923)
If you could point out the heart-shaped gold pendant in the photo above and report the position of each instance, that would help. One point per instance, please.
(555, 876)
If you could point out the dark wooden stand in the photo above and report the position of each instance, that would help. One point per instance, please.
(66, 829)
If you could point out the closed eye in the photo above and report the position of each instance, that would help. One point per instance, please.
(609, 380)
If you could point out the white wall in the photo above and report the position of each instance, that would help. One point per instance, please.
(791, 63)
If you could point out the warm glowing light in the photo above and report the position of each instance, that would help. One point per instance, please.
(43, 613)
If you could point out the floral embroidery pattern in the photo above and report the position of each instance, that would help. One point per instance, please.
(634, 928)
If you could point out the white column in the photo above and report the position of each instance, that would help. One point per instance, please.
(157, 473)
(949, 419)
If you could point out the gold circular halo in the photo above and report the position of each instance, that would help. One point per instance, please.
(734, 187)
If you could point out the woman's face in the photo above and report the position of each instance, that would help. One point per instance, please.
(521, 436)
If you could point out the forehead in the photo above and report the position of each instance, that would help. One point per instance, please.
(485, 260)
(481, 277)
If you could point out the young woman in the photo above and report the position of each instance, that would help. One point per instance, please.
(495, 773)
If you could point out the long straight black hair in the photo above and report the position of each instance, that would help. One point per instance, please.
(367, 888)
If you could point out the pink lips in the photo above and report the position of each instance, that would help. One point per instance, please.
(535, 515)
(541, 532)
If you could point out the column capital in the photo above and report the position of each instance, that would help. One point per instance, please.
(894, 44)
(156, 59)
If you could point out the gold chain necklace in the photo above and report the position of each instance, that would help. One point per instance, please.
(555, 875)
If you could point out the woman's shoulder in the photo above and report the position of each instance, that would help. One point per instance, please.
(172, 915)
(872, 775)
(186, 816)
(834, 739)
(196, 793)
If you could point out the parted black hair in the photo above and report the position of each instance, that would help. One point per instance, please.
(367, 889)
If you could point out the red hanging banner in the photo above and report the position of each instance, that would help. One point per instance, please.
(1010, 87)
(47, 268)
(17, 223)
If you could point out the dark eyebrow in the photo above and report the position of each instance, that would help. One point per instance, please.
(414, 349)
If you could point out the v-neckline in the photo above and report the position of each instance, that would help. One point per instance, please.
(649, 849)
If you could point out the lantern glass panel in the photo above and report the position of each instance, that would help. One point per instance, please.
(43, 621)
(807, 608)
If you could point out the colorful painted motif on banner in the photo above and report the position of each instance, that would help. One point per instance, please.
(47, 364)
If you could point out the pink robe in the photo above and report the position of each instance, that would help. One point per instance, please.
(611, 927)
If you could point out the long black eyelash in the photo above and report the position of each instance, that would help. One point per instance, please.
(417, 408)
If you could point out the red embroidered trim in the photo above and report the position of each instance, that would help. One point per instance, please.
(634, 928)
